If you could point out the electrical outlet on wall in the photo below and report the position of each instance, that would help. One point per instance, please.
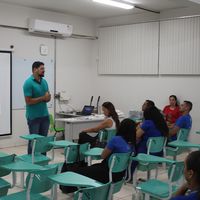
(44, 50)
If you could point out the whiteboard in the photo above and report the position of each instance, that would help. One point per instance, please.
(22, 69)
(5, 93)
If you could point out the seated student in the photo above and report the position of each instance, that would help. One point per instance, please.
(153, 125)
(147, 104)
(191, 189)
(111, 122)
(123, 142)
(184, 121)
(171, 111)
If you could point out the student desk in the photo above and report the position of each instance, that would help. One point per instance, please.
(184, 144)
(74, 179)
(73, 126)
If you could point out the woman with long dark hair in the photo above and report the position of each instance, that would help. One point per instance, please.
(172, 111)
(153, 125)
(123, 142)
(191, 189)
(111, 122)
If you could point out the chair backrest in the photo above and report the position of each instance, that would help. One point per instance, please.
(175, 171)
(118, 162)
(52, 125)
(97, 193)
(74, 153)
(83, 148)
(6, 160)
(106, 135)
(41, 145)
(111, 133)
(71, 153)
(38, 181)
(183, 134)
(155, 144)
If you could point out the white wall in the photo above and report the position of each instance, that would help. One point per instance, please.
(129, 92)
(73, 57)
(76, 68)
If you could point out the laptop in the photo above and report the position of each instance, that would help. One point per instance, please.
(87, 110)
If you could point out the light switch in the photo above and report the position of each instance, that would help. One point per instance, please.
(44, 50)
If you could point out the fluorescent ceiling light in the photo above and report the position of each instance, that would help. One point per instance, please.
(196, 1)
(115, 4)
(128, 1)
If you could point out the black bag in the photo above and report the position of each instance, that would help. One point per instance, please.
(71, 167)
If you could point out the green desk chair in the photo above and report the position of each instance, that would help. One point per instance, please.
(93, 153)
(118, 162)
(4, 185)
(97, 193)
(106, 135)
(75, 152)
(39, 145)
(154, 145)
(53, 127)
(36, 182)
(154, 188)
(182, 136)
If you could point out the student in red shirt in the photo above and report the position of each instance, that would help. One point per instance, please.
(172, 111)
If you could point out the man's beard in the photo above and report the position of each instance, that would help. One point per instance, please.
(41, 75)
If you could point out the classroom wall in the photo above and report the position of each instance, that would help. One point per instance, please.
(128, 92)
(73, 57)
(76, 66)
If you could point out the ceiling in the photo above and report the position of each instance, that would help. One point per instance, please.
(87, 8)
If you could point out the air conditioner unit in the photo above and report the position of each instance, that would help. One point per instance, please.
(50, 28)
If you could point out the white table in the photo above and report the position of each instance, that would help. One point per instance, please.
(73, 126)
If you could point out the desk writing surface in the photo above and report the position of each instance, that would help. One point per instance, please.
(2, 154)
(74, 179)
(141, 157)
(184, 144)
(82, 119)
(21, 166)
(62, 143)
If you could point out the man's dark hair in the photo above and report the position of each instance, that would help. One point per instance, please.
(189, 104)
(36, 65)
(150, 103)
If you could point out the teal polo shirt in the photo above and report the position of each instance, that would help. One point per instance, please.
(34, 89)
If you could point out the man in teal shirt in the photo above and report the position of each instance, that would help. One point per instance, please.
(36, 93)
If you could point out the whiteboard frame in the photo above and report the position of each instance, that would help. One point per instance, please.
(9, 52)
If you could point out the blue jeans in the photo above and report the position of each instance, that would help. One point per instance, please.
(38, 126)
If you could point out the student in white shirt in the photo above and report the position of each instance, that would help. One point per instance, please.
(111, 122)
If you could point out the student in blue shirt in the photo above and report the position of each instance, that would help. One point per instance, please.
(192, 176)
(123, 142)
(184, 121)
(153, 125)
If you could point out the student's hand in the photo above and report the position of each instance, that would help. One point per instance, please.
(47, 97)
(182, 190)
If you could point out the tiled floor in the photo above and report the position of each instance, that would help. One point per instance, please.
(125, 193)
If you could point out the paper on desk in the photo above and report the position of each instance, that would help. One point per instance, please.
(120, 113)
